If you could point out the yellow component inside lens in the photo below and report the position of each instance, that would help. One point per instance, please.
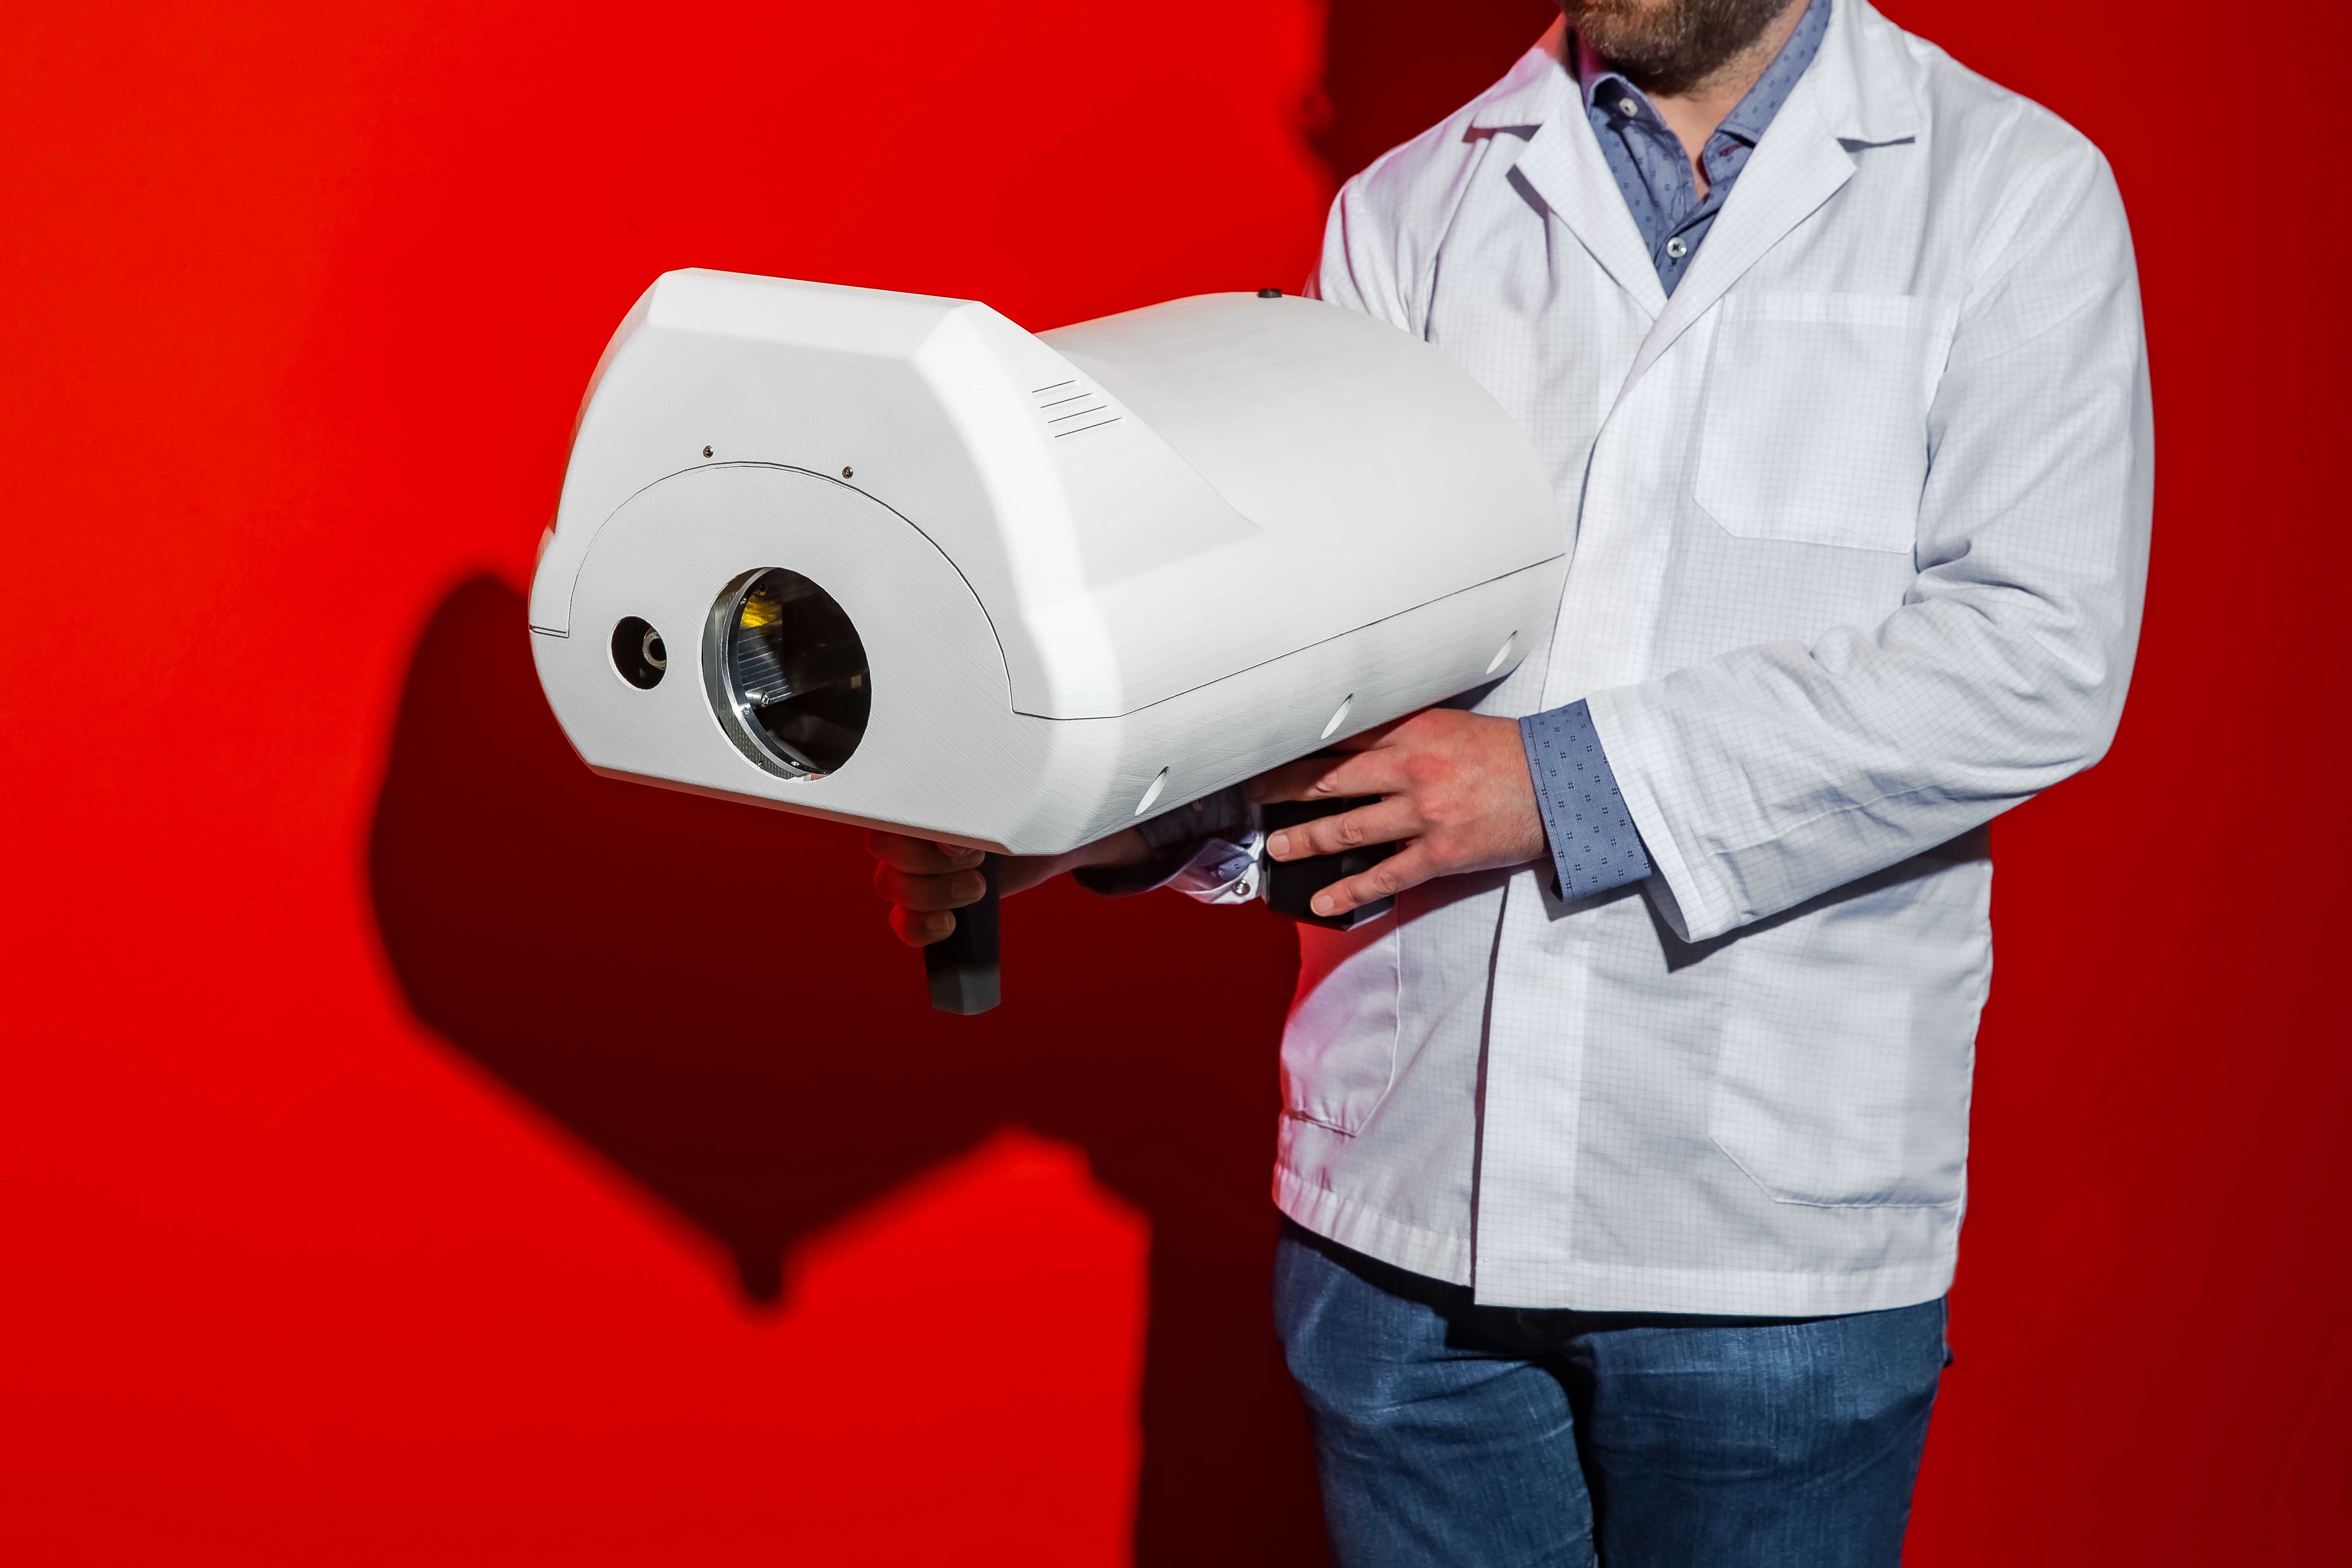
(760, 608)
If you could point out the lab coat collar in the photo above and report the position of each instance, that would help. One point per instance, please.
(1563, 166)
(1860, 92)
(1533, 90)
(1866, 83)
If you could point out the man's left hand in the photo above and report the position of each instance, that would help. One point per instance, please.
(1454, 793)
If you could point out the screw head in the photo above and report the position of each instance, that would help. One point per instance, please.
(706, 451)
(1269, 293)
(847, 473)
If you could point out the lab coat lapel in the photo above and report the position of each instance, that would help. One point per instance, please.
(1563, 166)
(1857, 93)
(1799, 165)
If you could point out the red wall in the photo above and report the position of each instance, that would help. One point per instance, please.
(414, 1149)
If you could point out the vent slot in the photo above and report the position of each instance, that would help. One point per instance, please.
(1071, 408)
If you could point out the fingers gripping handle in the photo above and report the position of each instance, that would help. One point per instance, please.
(1291, 885)
(962, 968)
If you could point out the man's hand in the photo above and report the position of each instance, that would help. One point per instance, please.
(926, 880)
(1455, 793)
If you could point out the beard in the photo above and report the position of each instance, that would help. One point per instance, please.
(1671, 45)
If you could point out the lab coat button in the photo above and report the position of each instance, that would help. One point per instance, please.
(1676, 248)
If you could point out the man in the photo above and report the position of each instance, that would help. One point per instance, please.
(1624, 1162)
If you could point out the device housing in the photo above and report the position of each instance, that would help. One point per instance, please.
(1095, 571)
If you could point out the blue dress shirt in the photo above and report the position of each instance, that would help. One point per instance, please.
(1647, 159)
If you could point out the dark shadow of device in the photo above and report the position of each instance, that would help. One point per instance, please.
(1393, 68)
(705, 993)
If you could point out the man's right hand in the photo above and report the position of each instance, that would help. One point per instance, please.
(927, 881)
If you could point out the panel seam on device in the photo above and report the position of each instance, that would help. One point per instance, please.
(572, 591)
(1293, 653)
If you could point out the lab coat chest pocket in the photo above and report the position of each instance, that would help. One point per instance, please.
(1814, 428)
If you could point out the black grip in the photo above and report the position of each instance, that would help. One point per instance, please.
(1291, 885)
(962, 967)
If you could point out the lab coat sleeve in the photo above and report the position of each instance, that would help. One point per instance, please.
(1779, 772)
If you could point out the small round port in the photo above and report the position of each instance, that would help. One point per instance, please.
(638, 653)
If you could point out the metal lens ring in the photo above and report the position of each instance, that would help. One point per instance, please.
(787, 673)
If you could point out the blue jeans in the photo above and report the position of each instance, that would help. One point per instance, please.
(1448, 1433)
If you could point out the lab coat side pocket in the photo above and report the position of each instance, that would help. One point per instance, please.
(1339, 1046)
(1814, 429)
(1843, 1075)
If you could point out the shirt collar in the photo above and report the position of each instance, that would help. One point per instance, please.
(1603, 86)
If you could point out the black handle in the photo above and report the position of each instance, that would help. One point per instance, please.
(962, 968)
(1291, 885)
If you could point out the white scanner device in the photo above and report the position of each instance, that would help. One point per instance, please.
(892, 559)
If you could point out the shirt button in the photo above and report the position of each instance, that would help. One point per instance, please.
(1676, 248)
(1628, 109)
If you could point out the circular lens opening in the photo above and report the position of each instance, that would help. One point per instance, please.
(788, 674)
(638, 653)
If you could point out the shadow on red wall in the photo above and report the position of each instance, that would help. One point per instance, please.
(705, 995)
(1392, 68)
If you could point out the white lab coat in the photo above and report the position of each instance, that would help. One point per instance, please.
(1860, 520)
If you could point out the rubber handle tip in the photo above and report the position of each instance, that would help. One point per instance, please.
(961, 969)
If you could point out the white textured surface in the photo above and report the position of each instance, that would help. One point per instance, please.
(1862, 518)
(1125, 554)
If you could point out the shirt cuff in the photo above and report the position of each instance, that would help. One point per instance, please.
(1595, 848)
(1197, 849)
